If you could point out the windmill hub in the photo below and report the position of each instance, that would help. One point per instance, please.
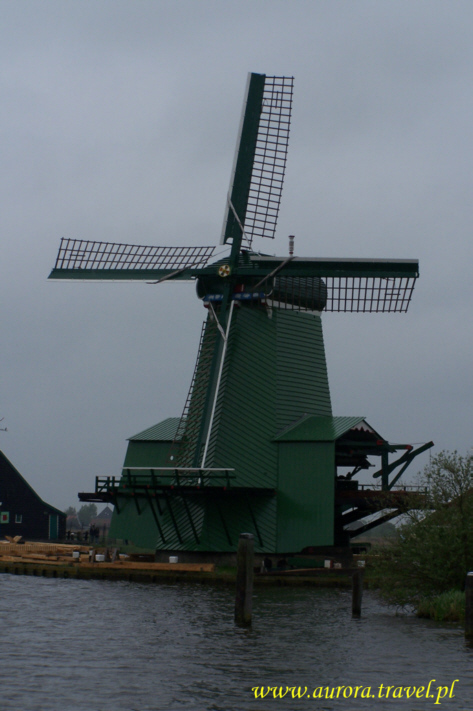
(295, 293)
(307, 293)
(212, 289)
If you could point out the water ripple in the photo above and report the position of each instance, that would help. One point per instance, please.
(72, 645)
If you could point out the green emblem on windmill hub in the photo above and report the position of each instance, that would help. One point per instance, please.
(256, 448)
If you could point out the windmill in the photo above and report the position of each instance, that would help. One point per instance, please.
(257, 447)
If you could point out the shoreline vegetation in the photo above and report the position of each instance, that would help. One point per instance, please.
(424, 565)
(446, 607)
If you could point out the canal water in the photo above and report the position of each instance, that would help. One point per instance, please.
(72, 645)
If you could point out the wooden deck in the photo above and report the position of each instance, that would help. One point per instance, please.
(57, 560)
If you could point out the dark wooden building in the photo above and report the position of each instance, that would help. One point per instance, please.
(23, 512)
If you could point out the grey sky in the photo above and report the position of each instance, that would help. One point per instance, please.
(119, 121)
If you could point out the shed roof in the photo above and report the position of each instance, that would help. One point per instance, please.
(164, 431)
(317, 428)
(6, 465)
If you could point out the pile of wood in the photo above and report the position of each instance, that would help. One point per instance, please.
(63, 554)
(15, 551)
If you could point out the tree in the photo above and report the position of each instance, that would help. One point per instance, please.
(70, 511)
(86, 513)
(433, 549)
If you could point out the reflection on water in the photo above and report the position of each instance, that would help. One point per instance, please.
(71, 645)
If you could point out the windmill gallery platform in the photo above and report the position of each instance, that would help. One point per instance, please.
(257, 448)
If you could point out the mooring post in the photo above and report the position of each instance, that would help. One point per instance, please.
(244, 579)
(357, 592)
(469, 606)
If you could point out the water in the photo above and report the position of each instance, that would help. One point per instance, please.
(73, 645)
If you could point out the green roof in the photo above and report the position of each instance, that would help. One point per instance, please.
(164, 431)
(317, 428)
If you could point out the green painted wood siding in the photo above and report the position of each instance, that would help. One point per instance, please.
(306, 491)
(147, 454)
(274, 373)
(217, 522)
(302, 380)
(244, 422)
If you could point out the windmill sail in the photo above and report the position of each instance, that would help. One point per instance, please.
(260, 160)
(85, 259)
(342, 285)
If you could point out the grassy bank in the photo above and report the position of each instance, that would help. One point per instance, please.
(387, 581)
(446, 607)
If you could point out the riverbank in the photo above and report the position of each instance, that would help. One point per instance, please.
(151, 574)
(81, 562)
(87, 563)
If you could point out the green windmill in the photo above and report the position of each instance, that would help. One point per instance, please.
(257, 447)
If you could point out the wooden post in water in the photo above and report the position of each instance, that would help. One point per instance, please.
(244, 579)
(469, 606)
(357, 592)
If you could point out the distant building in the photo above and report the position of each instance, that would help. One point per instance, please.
(23, 512)
(103, 520)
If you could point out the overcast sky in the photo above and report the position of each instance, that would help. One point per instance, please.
(118, 121)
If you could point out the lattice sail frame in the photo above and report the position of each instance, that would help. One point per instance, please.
(369, 294)
(270, 159)
(350, 285)
(259, 164)
(360, 294)
(84, 254)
